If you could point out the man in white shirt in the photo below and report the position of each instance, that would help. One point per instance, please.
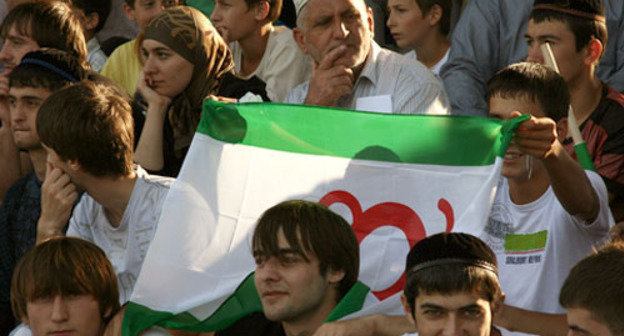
(349, 65)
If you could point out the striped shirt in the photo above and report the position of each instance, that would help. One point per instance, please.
(412, 87)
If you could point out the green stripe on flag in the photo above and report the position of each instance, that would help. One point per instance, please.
(352, 301)
(421, 139)
(582, 154)
(526, 242)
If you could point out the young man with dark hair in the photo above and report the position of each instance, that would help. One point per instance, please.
(26, 28)
(548, 213)
(593, 291)
(39, 74)
(452, 286)
(577, 33)
(87, 131)
(63, 286)
(259, 48)
(93, 15)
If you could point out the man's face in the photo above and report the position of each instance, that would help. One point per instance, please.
(292, 289)
(233, 19)
(24, 104)
(563, 43)
(515, 162)
(15, 47)
(329, 24)
(461, 313)
(582, 323)
(64, 315)
(145, 10)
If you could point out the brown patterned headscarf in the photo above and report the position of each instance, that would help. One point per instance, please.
(190, 34)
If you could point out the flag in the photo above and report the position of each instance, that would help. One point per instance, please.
(395, 179)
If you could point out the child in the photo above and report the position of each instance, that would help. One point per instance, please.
(93, 15)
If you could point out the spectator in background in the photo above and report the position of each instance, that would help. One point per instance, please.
(259, 48)
(93, 15)
(489, 36)
(422, 26)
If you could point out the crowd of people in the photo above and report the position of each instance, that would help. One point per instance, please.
(93, 134)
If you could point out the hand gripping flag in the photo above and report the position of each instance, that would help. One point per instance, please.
(395, 178)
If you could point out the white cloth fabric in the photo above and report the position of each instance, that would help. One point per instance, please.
(283, 65)
(413, 88)
(436, 67)
(95, 56)
(126, 245)
(532, 273)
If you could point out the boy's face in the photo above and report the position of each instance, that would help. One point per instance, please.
(563, 43)
(461, 313)
(514, 163)
(15, 47)
(234, 19)
(292, 288)
(145, 10)
(24, 104)
(582, 323)
(64, 316)
(407, 23)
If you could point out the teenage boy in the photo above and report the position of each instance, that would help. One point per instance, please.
(87, 131)
(124, 64)
(422, 26)
(259, 48)
(64, 286)
(548, 213)
(452, 286)
(93, 15)
(38, 75)
(577, 33)
(26, 28)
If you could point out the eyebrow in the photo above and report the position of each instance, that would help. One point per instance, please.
(26, 97)
(543, 37)
(280, 252)
(435, 306)
(579, 329)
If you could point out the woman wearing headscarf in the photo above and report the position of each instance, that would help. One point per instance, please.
(185, 61)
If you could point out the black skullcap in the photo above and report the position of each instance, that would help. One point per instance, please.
(450, 249)
(57, 61)
(588, 9)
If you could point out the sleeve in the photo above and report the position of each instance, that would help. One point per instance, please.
(80, 222)
(611, 68)
(473, 57)
(603, 223)
(427, 98)
(289, 67)
(6, 269)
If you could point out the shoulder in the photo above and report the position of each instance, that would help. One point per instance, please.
(255, 321)
(17, 189)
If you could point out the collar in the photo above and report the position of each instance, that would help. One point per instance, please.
(371, 65)
(92, 45)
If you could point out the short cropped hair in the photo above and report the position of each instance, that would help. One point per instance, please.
(47, 68)
(52, 24)
(310, 228)
(64, 266)
(446, 5)
(448, 263)
(101, 7)
(92, 124)
(536, 82)
(596, 283)
(274, 11)
(584, 29)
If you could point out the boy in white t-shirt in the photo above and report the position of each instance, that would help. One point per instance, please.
(548, 213)
(87, 131)
(260, 49)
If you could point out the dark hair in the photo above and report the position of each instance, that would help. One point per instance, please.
(448, 263)
(64, 266)
(596, 283)
(539, 83)
(47, 68)
(91, 123)
(584, 29)
(52, 24)
(101, 7)
(310, 228)
(274, 11)
(446, 5)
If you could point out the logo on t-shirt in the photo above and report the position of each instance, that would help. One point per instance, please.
(525, 248)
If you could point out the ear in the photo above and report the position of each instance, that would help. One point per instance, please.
(497, 305)
(74, 165)
(92, 21)
(299, 37)
(371, 21)
(408, 310)
(594, 52)
(562, 129)
(334, 277)
(261, 10)
(435, 15)
(129, 11)
(25, 320)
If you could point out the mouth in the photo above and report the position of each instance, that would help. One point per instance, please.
(512, 156)
(273, 295)
(60, 333)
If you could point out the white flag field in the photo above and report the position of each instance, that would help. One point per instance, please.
(395, 178)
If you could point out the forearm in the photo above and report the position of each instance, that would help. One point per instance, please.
(48, 228)
(526, 321)
(386, 325)
(149, 151)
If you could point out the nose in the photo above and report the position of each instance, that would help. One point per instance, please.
(216, 14)
(535, 53)
(390, 23)
(268, 271)
(148, 65)
(4, 52)
(451, 326)
(340, 30)
(16, 113)
(59, 309)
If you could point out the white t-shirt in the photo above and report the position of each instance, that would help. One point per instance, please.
(126, 245)
(538, 243)
(283, 65)
(436, 68)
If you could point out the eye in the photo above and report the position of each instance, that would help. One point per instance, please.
(472, 313)
(12, 101)
(162, 55)
(32, 103)
(432, 313)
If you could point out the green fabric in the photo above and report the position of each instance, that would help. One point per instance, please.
(526, 242)
(582, 153)
(204, 6)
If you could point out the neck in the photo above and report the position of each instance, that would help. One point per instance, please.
(432, 50)
(253, 48)
(525, 190)
(307, 324)
(38, 158)
(113, 193)
(585, 94)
